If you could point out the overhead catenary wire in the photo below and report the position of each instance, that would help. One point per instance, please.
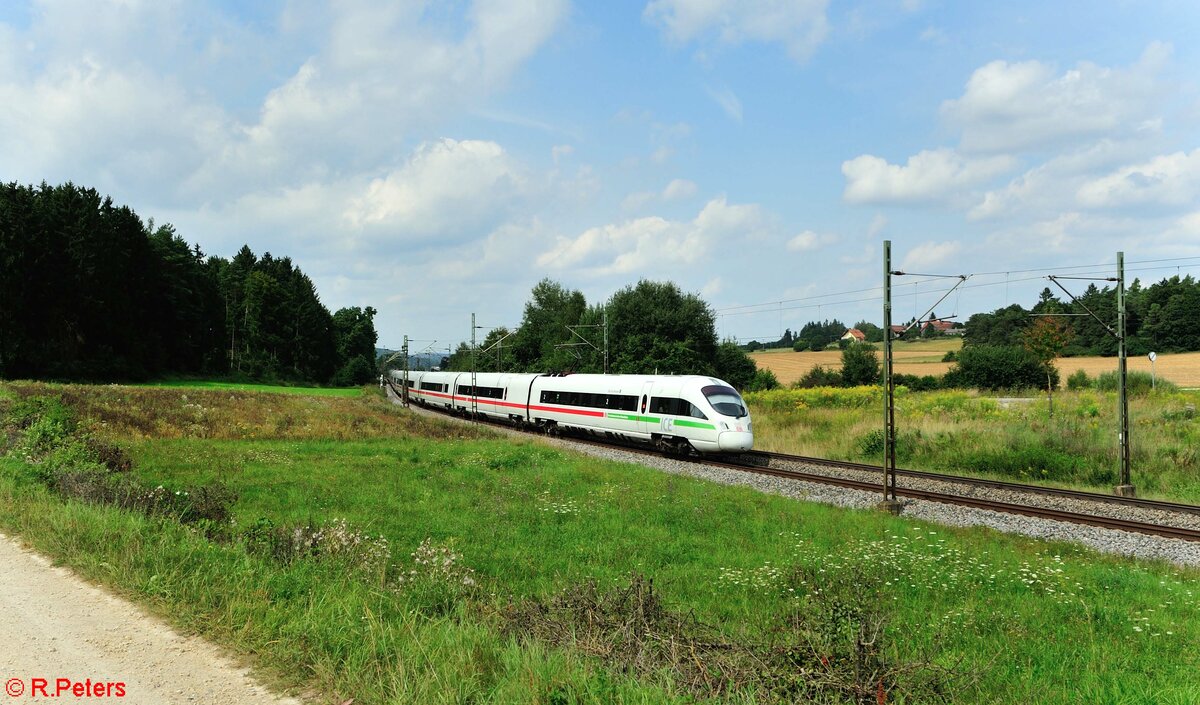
(732, 312)
(1103, 266)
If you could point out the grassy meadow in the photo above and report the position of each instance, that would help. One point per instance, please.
(350, 549)
(963, 432)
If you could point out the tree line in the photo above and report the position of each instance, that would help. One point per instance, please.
(653, 328)
(1163, 317)
(90, 292)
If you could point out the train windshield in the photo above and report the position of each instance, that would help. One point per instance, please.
(725, 400)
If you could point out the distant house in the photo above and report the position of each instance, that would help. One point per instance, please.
(944, 327)
(855, 334)
(899, 330)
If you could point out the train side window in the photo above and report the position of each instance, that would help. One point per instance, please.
(695, 412)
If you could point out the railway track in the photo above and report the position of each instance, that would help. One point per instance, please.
(1080, 495)
(769, 463)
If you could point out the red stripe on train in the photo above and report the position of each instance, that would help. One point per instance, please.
(495, 402)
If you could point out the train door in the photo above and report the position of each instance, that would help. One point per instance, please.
(643, 409)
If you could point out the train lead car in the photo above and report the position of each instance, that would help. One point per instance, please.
(675, 413)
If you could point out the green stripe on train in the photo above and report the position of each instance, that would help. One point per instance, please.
(654, 419)
(634, 417)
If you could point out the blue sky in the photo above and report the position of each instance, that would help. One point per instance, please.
(438, 159)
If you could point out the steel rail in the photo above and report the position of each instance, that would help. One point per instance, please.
(1082, 495)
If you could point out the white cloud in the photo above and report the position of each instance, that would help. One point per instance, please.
(679, 189)
(1071, 232)
(152, 96)
(128, 128)
(561, 151)
(929, 176)
(1171, 179)
(799, 25)
(809, 241)
(728, 101)
(1096, 176)
(638, 200)
(934, 35)
(1015, 106)
(447, 188)
(676, 190)
(652, 243)
(930, 255)
(878, 223)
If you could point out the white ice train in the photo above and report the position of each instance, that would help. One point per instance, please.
(672, 413)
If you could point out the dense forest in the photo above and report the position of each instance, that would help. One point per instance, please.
(89, 292)
(1163, 317)
(653, 327)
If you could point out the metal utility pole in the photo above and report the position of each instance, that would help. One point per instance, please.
(404, 388)
(474, 396)
(1124, 486)
(889, 502)
(606, 339)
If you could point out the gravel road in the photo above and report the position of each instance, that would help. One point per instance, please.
(53, 626)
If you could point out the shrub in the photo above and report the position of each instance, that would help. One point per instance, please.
(999, 367)
(950, 356)
(1079, 380)
(908, 443)
(335, 540)
(1137, 384)
(835, 398)
(819, 376)
(735, 366)
(925, 383)
(1031, 463)
(859, 365)
(763, 380)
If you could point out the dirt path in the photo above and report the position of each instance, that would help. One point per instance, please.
(53, 626)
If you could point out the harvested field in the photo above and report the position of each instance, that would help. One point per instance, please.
(924, 358)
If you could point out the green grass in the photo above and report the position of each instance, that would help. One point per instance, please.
(251, 387)
(963, 432)
(1027, 621)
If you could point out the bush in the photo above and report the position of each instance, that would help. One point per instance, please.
(950, 356)
(1137, 384)
(1079, 380)
(818, 376)
(999, 367)
(735, 366)
(859, 365)
(357, 371)
(925, 383)
(908, 442)
(762, 381)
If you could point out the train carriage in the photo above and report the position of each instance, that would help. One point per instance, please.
(672, 412)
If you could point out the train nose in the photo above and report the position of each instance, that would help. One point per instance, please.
(735, 441)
